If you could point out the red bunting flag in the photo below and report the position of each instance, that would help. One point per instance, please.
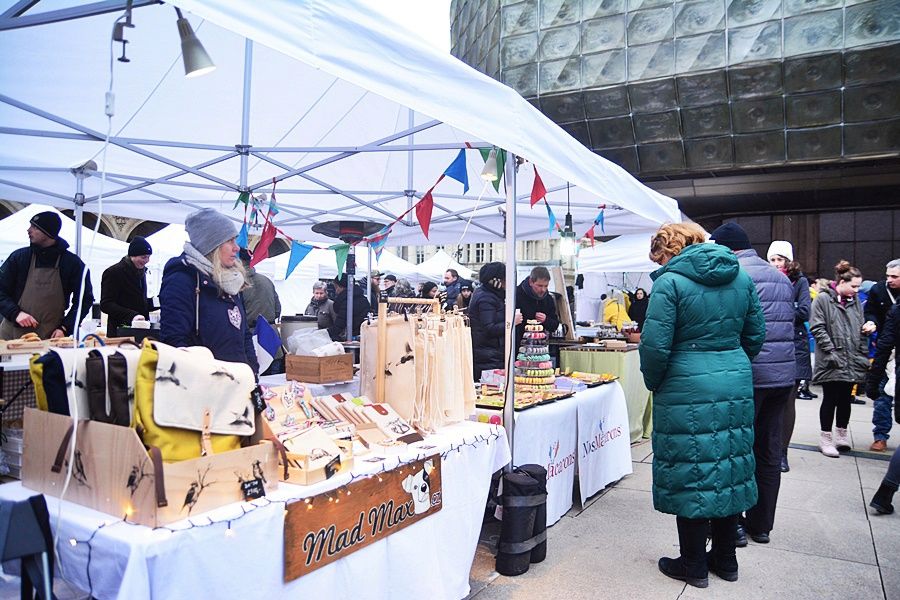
(261, 252)
(590, 234)
(538, 190)
(423, 211)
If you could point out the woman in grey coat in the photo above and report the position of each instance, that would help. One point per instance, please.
(837, 323)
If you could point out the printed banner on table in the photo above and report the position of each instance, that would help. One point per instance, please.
(604, 449)
(339, 522)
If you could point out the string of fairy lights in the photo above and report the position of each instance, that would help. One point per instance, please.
(331, 496)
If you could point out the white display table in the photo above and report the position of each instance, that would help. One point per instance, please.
(201, 559)
(587, 434)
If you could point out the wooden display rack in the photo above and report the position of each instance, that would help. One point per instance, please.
(381, 349)
(114, 474)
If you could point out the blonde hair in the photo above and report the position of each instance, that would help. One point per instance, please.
(219, 270)
(672, 238)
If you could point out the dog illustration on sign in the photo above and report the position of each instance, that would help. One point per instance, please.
(419, 487)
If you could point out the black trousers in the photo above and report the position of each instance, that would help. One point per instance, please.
(835, 408)
(767, 447)
(692, 535)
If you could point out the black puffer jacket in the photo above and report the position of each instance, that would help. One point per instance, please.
(14, 272)
(528, 302)
(338, 331)
(123, 294)
(487, 320)
(802, 305)
(879, 302)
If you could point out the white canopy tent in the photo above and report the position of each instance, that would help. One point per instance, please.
(354, 120)
(434, 267)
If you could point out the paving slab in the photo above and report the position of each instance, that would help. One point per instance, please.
(641, 479)
(891, 580)
(767, 572)
(886, 535)
(641, 451)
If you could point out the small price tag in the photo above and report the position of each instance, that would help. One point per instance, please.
(332, 467)
(253, 489)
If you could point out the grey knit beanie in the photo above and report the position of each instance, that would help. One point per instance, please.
(209, 229)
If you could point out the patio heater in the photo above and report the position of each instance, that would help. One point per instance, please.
(349, 232)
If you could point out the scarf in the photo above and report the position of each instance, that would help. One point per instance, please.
(231, 281)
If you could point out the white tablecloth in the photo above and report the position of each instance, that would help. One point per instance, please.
(587, 434)
(318, 389)
(430, 559)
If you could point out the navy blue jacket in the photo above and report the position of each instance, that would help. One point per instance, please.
(14, 272)
(888, 339)
(487, 319)
(878, 303)
(802, 305)
(775, 364)
(223, 321)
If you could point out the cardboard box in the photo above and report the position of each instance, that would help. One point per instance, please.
(113, 473)
(319, 369)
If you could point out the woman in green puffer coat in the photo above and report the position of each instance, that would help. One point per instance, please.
(703, 326)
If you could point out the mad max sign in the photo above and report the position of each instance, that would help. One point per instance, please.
(337, 523)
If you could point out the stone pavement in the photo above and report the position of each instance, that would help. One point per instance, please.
(826, 542)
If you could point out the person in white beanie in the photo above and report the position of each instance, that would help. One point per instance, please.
(200, 296)
(781, 256)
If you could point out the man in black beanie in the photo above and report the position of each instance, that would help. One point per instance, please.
(774, 370)
(123, 289)
(38, 283)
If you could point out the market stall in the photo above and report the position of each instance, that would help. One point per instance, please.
(625, 363)
(237, 551)
(583, 435)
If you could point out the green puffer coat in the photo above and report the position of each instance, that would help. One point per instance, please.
(703, 326)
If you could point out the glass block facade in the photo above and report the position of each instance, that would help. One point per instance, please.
(667, 87)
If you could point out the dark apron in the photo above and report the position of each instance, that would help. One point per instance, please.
(43, 299)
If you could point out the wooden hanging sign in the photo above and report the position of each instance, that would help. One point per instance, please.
(337, 523)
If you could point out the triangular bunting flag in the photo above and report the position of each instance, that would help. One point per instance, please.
(298, 253)
(243, 197)
(457, 170)
(424, 207)
(340, 254)
(243, 238)
(538, 190)
(590, 234)
(599, 221)
(552, 218)
(377, 241)
(261, 252)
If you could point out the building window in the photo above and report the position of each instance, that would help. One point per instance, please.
(479, 252)
(420, 254)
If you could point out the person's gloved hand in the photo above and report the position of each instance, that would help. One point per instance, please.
(872, 389)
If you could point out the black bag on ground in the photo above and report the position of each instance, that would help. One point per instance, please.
(520, 498)
(539, 474)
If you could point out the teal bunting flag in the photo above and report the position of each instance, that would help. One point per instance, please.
(552, 218)
(298, 253)
(243, 238)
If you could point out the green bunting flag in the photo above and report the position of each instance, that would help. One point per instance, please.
(501, 163)
(243, 198)
(340, 254)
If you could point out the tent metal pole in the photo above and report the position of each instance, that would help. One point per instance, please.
(410, 191)
(79, 211)
(510, 395)
(245, 111)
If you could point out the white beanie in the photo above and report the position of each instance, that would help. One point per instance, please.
(780, 248)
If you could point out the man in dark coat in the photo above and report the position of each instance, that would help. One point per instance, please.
(40, 284)
(536, 302)
(774, 371)
(453, 284)
(487, 318)
(361, 307)
(883, 295)
(123, 289)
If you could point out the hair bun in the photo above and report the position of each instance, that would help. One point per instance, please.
(842, 267)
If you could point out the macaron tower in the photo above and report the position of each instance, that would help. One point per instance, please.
(534, 371)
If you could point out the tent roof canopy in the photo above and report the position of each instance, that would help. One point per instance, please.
(322, 100)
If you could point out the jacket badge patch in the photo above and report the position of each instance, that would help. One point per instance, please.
(234, 315)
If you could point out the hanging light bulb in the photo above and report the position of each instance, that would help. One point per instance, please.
(568, 244)
(196, 61)
(489, 172)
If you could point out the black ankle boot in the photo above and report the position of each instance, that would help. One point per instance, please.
(785, 467)
(881, 501)
(804, 393)
(674, 568)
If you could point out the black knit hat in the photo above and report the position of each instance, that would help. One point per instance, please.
(139, 246)
(732, 236)
(48, 222)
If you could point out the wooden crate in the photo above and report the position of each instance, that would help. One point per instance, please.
(299, 470)
(113, 473)
(319, 369)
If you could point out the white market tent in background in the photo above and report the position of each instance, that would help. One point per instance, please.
(434, 267)
(354, 120)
